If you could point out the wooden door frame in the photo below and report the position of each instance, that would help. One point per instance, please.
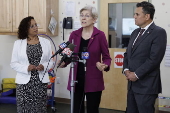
(104, 12)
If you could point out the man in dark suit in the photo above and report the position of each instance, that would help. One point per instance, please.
(142, 61)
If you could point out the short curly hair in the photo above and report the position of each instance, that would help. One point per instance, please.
(24, 27)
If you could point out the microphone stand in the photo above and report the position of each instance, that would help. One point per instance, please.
(72, 83)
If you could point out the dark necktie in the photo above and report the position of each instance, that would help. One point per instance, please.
(140, 34)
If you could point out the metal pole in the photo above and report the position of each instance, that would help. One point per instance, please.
(72, 84)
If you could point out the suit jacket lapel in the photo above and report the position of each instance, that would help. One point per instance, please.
(77, 39)
(90, 41)
(95, 32)
(133, 37)
(143, 37)
(79, 35)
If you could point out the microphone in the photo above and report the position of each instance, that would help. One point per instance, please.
(67, 53)
(61, 47)
(85, 55)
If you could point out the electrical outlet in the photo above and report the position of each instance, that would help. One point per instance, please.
(58, 80)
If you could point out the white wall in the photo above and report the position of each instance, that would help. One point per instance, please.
(162, 17)
(6, 45)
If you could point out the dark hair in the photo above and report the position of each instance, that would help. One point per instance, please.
(24, 27)
(147, 8)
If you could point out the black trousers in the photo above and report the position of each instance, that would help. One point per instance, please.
(92, 101)
(92, 98)
(140, 103)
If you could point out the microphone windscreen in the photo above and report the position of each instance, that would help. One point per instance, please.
(85, 55)
(71, 46)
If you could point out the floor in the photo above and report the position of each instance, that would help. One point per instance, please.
(61, 108)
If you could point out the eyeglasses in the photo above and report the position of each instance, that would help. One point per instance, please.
(34, 26)
(86, 16)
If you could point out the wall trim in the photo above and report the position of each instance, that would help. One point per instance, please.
(68, 101)
(63, 100)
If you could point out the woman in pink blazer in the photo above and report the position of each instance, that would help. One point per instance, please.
(90, 83)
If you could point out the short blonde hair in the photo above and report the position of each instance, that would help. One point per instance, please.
(92, 9)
